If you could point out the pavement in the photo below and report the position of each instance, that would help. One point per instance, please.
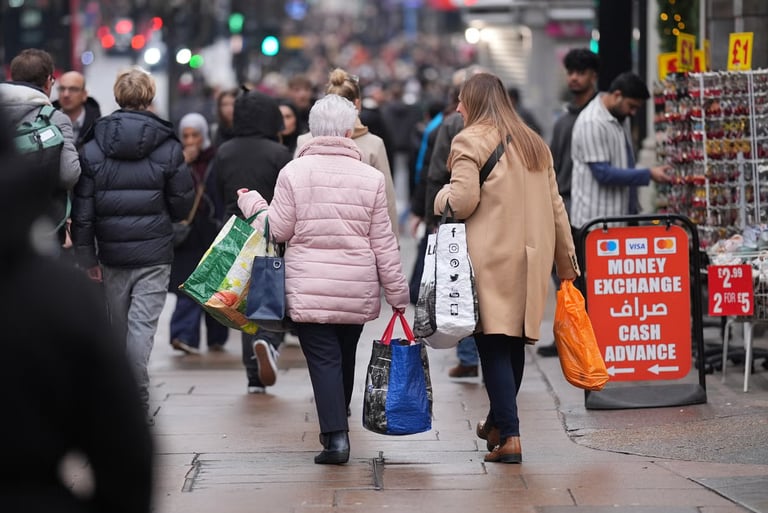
(220, 449)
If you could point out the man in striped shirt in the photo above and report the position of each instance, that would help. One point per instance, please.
(604, 175)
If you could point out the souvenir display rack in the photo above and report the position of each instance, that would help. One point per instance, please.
(712, 128)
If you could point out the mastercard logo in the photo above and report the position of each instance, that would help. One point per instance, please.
(608, 247)
(664, 245)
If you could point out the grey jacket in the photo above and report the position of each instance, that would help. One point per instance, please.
(21, 102)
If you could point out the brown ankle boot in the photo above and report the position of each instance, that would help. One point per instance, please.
(488, 433)
(463, 371)
(509, 452)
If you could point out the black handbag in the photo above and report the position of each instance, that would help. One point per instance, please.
(182, 229)
(265, 304)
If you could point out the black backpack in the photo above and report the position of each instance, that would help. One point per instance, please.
(39, 144)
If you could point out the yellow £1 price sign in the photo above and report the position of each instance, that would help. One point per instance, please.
(740, 51)
(686, 45)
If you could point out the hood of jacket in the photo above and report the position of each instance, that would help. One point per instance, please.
(257, 114)
(131, 135)
(325, 145)
(17, 99)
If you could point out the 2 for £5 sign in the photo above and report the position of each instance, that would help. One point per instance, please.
(730, 290)
(638, 294)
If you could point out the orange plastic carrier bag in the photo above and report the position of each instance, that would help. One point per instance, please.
(577, 348)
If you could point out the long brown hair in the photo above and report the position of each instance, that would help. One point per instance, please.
(486, 102)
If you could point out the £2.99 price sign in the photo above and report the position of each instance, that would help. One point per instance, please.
(730, 290)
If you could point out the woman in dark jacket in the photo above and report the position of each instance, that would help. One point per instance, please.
(252, 160)
(134, 184)
(290, 132)
(204, 226)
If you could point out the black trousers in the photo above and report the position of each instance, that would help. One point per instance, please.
(330, 351)
(503, 361)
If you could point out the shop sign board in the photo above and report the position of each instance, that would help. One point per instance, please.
(730, 290)
(740, 51)
(638, 298)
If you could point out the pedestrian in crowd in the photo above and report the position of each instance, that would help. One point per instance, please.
(134, 185)
(252, 159)
(204, 226)
(301, 93)
(400, 117)
(581, 67)
(526, 115)
(331, 210)
(512, 267)
(289, 135)
(371, 115)
(225, 112)
(74, 101)
(64, 380)
(605, 179)
(372, 147)
(437, 176)
(29, 90)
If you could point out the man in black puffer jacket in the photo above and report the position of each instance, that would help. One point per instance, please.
(133, 186)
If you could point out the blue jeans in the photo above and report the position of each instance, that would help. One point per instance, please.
(466, 351)
(135, 299)
(503, 361)
(185, 324)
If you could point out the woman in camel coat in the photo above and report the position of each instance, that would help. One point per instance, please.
(516, 228)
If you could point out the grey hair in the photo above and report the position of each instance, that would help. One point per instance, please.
(332, 115)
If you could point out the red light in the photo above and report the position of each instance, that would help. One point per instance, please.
(138, 41)
(102, 31)
(108, 41)
(157, 23)
(124, 26)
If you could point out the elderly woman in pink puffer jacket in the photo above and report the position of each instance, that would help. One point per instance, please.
(331, 209)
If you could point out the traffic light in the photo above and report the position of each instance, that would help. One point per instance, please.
(268, 39)
(270, 46)
(236, 22)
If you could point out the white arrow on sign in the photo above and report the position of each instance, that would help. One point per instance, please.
(656, 369)
(612, 371)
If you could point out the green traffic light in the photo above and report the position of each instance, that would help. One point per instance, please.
(196, 61)
(236, 22)
(270, 46)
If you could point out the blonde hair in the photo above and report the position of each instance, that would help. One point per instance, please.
(487, 102)
(134, 89)
(343, 84)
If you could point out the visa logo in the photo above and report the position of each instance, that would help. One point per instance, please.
(636, 246)
(664, 245)
(608, 247)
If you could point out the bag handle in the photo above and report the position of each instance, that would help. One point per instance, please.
(492, 160)
(386, 338)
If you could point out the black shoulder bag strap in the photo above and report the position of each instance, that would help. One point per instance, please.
(492, 160)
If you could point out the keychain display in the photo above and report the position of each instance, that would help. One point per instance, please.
(712, 128)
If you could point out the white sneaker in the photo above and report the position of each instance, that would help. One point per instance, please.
(267, 356)
(289, 339)
(253, 389)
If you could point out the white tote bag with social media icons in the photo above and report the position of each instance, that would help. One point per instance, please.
(456, 311)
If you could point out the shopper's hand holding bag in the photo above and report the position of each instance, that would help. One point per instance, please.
(577, 348)
(398, 389)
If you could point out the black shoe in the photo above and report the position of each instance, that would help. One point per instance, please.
(546, 351)
(336, 448)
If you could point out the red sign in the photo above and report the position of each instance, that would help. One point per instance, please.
(730, 290)
(638, 296)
